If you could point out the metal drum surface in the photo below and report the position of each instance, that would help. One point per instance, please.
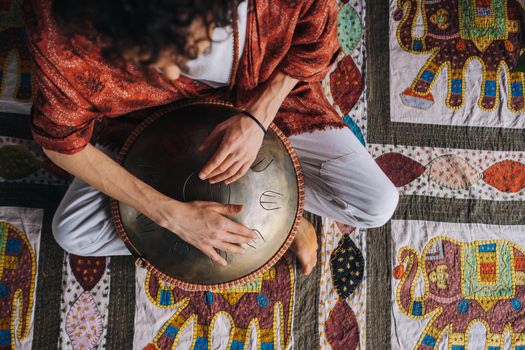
(162, 152)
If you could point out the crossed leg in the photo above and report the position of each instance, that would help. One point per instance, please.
(342, 181)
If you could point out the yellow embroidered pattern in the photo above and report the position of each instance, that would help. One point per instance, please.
(169, 335)
(486, 289)
(455, 51)
(13, 244)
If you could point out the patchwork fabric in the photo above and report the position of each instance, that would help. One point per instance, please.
(19, 242)
(259, 314)
(335, 304)
(451, 63)
(449, 172)
(84, 302)
(474, 280)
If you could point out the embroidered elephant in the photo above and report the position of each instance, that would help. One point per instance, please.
(481, 281)
(455, 33)
(17, 284)
(265, 303)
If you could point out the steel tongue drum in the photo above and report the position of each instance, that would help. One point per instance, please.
(162, 152)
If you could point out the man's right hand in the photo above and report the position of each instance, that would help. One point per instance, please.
(206, 226)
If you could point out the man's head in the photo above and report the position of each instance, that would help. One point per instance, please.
(152, 33)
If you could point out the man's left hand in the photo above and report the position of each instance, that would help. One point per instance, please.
(241, 138)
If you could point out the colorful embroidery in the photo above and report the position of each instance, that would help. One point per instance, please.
(261, 304)
(347, 267)
(480, 285)
(453, 172)
(487, 31)
(17, 284)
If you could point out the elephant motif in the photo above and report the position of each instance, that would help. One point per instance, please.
(265, 303)
(17, 284)
(457, 32)
(464, 283)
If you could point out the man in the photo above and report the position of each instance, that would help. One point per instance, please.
(104, 59)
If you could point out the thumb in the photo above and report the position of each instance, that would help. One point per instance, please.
(230, 209)
(212, 138)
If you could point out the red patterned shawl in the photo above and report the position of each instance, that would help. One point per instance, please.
(76, 87)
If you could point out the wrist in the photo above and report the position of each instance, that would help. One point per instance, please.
(165, 211)
(255, 121)
(263, 112)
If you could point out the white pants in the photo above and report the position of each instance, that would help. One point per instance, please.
(342, 181)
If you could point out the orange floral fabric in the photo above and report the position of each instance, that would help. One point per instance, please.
(76, 87)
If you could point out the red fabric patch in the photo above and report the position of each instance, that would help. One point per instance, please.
(346, 84)
(506, 176)
(400, 169)
(487, 271)
(341, 327)
(87, 270)
(519, 263)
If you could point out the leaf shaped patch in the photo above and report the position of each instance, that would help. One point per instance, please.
(400, 169)
(346, 84)
(84, 323)
(349, 28)
(341, 328)
(347, 265)
(87, 270)
(506, 176)
(17, 162)
(452, 172)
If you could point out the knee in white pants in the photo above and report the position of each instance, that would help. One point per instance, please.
(382, 205)
(74, 235)
(63, 234)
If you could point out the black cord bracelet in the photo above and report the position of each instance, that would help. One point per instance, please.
(249, 115)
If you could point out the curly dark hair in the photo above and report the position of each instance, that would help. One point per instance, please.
(146, 27)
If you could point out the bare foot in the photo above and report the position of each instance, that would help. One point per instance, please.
(305, 246)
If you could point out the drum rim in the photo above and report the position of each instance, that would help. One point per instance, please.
(115, 211)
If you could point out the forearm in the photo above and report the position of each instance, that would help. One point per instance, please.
(100, 171)
(267, 104)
